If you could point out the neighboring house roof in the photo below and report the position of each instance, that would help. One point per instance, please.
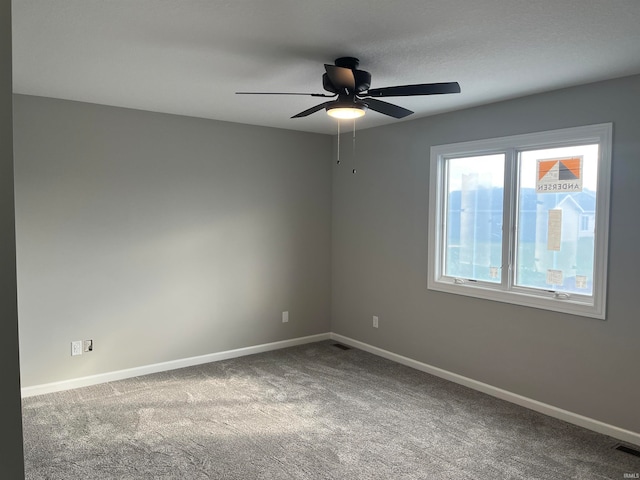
(570, 201)
(586, 200)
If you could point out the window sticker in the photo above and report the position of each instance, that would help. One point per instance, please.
(559, 175)
(581, 281)
(493, 272)
(554, 229)
(554, 277)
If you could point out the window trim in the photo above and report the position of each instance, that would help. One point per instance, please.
(589, 306)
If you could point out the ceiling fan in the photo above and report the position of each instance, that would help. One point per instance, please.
(352, 96)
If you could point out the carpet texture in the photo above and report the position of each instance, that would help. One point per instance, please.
(308, 412)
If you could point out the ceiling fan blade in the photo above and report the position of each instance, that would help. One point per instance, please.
(387, 108)
(312, 110)
(341, 78)
(412, 90)
(287, 93)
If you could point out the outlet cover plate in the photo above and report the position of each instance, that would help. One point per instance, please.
(76, 347)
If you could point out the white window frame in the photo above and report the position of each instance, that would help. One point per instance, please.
(587, 305)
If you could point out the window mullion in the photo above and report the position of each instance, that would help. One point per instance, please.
(509, 219)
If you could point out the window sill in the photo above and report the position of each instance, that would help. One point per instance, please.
(574, 305)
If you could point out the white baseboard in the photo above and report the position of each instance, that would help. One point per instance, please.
(550, 410)
(165, 366)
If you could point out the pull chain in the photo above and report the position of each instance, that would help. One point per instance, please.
(338, 159)
(353, 152)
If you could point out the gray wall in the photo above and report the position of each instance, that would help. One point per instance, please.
(163, 237)
(583, 365)
(11, 464)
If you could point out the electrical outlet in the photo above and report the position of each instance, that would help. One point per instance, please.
(285, 317)
(375, 322)
(76, 347)
(88, 346)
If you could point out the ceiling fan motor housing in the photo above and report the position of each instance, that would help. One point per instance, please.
(362, 78)
(363, 82)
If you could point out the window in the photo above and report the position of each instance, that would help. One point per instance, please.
(523, 219)
(584, 223)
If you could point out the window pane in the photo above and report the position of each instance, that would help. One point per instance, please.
(556, 219)
(474, 196)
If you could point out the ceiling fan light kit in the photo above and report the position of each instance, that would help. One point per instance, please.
(354, 97)
(346, 112)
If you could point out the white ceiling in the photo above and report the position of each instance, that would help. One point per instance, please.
(188, 57)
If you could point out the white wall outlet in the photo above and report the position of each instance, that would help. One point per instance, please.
(375, 322)
(76, 347)
(88, 346)
(285, 317)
